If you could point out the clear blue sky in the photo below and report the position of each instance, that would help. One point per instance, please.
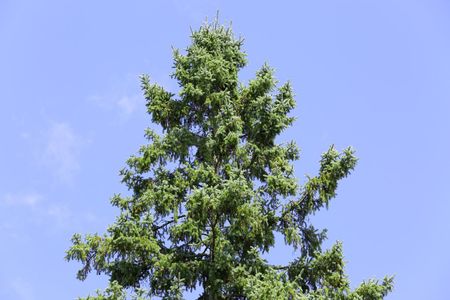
(373, 74)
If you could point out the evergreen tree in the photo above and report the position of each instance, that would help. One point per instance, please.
(209, 193)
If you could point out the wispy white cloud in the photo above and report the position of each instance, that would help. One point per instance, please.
(129, 104)
(124, 105)
(59, 213)
(28, 199)
(22, 289)
(39, 210)
(62, 150)
(123, 97)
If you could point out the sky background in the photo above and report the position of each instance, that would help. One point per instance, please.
(372, 74)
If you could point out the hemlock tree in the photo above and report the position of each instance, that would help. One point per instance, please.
(209, 193)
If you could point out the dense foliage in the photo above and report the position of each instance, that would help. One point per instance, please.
(210, 192)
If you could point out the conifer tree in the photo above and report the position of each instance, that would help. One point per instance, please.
(211, 191)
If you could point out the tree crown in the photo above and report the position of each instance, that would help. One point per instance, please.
(209, 193)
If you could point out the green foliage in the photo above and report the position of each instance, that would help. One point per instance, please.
(208, 195)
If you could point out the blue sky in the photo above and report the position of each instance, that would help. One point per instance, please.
(373, 74)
